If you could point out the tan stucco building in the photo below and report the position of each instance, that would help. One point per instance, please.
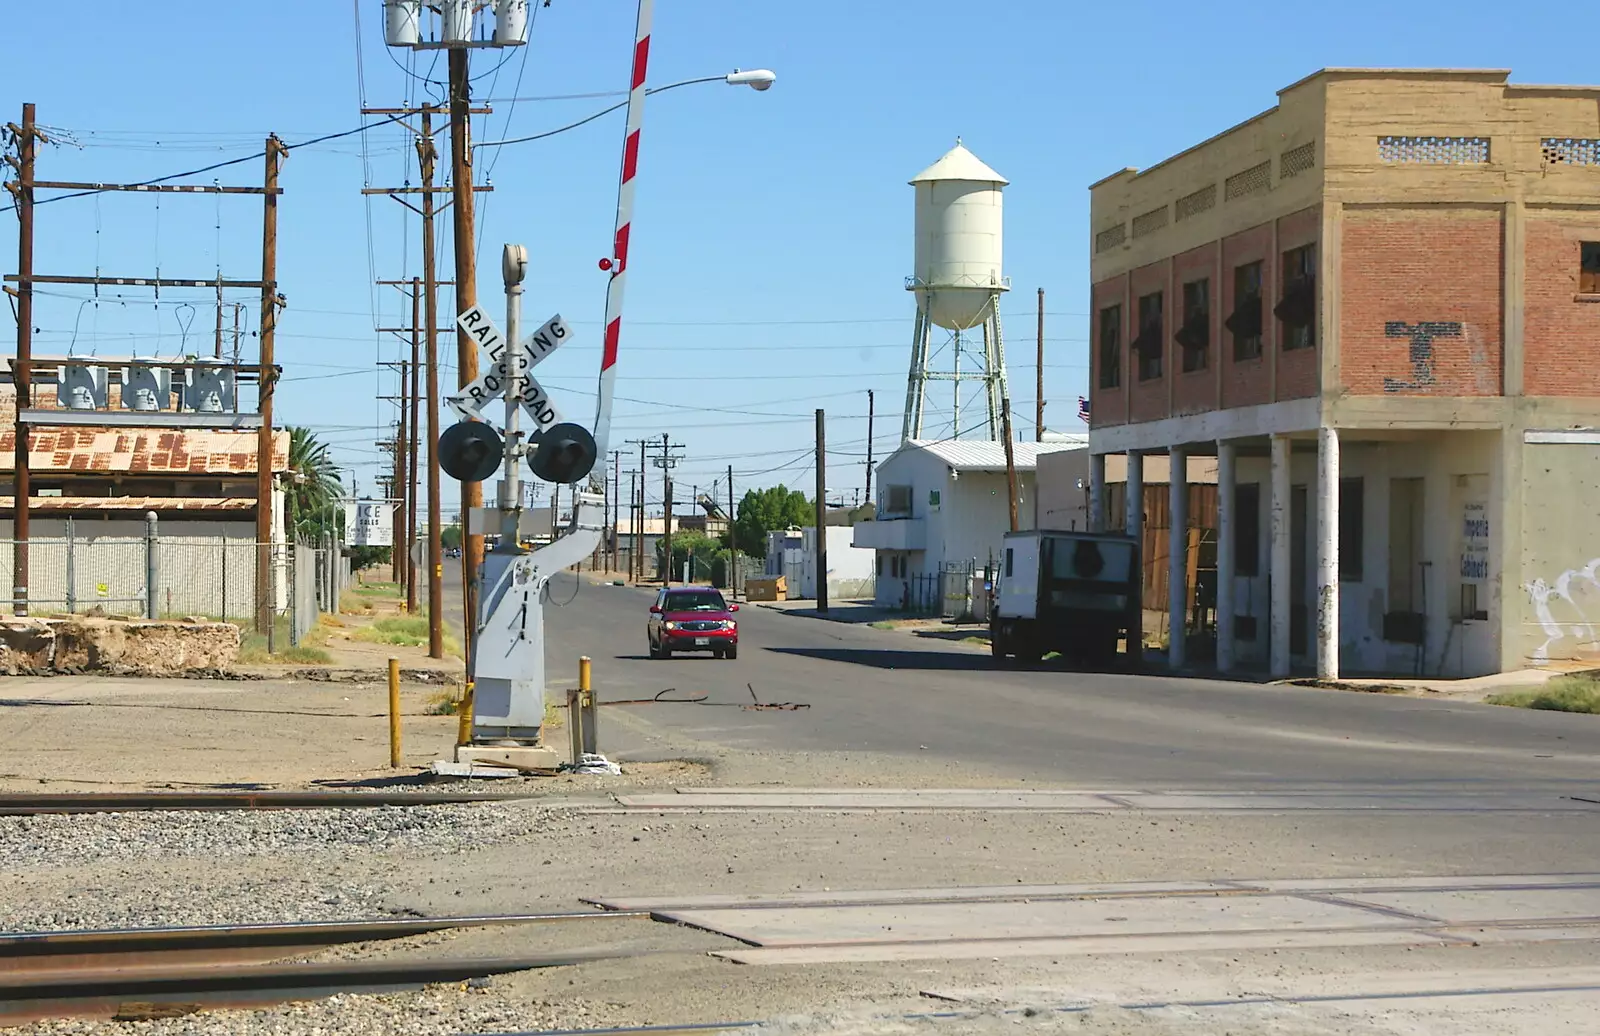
(1377, 304)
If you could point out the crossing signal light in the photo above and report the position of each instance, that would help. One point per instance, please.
(470, 451)
(565, 454)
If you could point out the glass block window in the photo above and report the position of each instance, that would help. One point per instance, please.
(1111, 237)
(1256, 178)
(1571, 150)
(1150, 221)
(1434, 150)
(1297, 160)
(1198, 202)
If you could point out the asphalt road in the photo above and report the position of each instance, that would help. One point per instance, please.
(887, 692)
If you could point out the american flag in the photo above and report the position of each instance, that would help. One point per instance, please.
(1083, 408)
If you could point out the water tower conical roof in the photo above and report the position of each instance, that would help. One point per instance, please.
(959, 164)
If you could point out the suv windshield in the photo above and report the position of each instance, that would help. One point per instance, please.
(699, 601)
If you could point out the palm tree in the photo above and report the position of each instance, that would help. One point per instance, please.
(314, 486)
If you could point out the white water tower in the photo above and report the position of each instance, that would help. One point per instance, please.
(957, 283)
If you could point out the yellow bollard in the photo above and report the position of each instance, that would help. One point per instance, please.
(394, 713)
(464, 717)
(588, 732)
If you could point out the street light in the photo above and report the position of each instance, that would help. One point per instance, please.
(755, 79)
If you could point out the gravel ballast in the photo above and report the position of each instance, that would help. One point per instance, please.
(56, 839)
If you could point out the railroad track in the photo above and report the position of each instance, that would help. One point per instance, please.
(31, 804)
(160, 972)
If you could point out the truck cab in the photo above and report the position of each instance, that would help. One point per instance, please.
(1076, 593)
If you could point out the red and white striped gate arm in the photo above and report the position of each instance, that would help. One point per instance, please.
(618, 260)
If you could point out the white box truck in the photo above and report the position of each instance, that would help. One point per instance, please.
(1076, 593)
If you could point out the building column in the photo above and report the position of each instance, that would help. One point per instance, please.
(1095, 520)
(1227, 564)
(1177, 555)
(1134, 525)
(1278, 569)
(1327, 553)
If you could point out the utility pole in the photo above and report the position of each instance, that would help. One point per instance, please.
(733, 544)
(666, 512)
(1011, 462)
(637, 554)
(27, 136)
(666, 462)
(411, 474)
(869, 445)
(397, 520)
(1038, 409)
(822, 513)
(268, 376)
(426, 154)
(466, 297)
(616, 507)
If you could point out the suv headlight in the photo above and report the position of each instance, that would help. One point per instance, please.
(729, 624)
(669, 625)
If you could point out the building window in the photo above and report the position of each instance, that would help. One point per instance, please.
(899, 500)
(1149, 222)
(1352, 528)
(880, 564)
(1297, 160)
(1198, 202)
(1195, 334)
(1256, 178)
(1009, 561)
(1244, 323)
(1148, 347)
(1434, 150)
(1298, 307)
(1110, 237)
(1571, 150)
(1247, 528)
(1110, 347)
(1589, 268)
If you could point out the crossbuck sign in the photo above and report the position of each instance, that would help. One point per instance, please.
(508, 365)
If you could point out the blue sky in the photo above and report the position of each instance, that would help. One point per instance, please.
(772, 231)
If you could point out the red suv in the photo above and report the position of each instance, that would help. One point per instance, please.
(692, 618)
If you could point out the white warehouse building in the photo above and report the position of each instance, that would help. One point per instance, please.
(942, 513)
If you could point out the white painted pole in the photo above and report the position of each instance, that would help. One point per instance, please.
(1227, 564)
(1279, 568)
(1095, 520)
(1328, 553)
(1177, 556)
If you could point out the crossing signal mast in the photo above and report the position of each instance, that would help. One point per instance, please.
(507, 658)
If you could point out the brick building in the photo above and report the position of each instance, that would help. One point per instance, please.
(1378, 305)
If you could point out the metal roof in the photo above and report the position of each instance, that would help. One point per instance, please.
(959, 164)
(138, 451)
(112, 504)
(989, 455)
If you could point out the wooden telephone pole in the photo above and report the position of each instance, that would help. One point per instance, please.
(466, 298)
(27, 137)
(1038, 407)
(428, 283)
(268, 376)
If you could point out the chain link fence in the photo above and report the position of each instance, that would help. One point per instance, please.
(176, 577)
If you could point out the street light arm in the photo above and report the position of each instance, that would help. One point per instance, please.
(759, 79)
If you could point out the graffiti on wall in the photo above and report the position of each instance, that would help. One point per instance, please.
(1419, 351)
(1563, 608)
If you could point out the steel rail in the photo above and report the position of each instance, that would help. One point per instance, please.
(155, 972)
(129, 948)
(32, 804)
(139, 993)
